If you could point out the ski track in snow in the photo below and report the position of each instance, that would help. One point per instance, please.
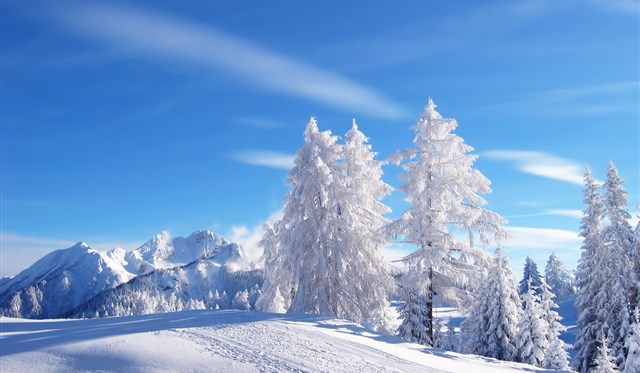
(280, 349)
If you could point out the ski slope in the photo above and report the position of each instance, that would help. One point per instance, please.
(221, 341)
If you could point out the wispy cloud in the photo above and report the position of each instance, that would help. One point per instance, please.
(169, 38)
(257, 122)
(248, 238)
(541, 164)
(527, 238)
(265, 158)
(18, 252)
(563, 95)
(571, 213)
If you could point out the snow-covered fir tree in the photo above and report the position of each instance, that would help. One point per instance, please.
(632, 363)
(241, 301)
(531, 340)
(556, 355)
(444, 192)
(602, 360)
(491, 326)
(299, 248)
(530, 277)
(557, 277)
(360, 274)
(323, 256)
(413, 327)
(619, 283)
(588, 279)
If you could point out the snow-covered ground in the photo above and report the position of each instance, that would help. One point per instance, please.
(221, 341)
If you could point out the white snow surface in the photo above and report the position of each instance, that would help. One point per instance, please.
(221, 341)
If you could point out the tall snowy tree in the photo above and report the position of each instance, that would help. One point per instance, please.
(617, 292)
(632, 363)
(361, 275)
(491, 325)
(530, 277)
(531, 340)
(557, 277)
(587, 278)
(324, 255)
(444, 192)
(298, 249)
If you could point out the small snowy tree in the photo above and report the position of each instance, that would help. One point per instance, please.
(241, 301)
(491, 325)
(557, 277)
(587, 276)
(531, 339)
(556, 356)
(444, 192)
(530, 278)
(413, 328)
(632, 363)
(602, 361)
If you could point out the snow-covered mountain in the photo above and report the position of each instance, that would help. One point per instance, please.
(162, 251)
(60, 281)
(205, 283)
(64, 279)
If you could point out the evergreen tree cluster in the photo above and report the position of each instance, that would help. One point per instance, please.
(607, 279)
(506, 326)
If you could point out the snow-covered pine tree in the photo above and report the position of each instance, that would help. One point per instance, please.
(632, 363)
(413, 328)
(619, 283)
(444, 192)
(557, 277)
(241, 301)
(556, 355)
(602, 360)
(531, 340)
(530, 278)
(491, 325)
(359, 273)
(588, 277)
(299, 248)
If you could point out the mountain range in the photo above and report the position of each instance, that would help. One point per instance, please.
(182, 272)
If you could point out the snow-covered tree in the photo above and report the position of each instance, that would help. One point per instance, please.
(617, 291)
(360, 274)
(450, 340)
(299, 248)
(587, 276)
(556, 355)
(602, 360)
(323, 256)
(241, 301)
(531, 340)
(491, 325)
(413, 328)
(444, 192)
(557, 277)
(224, 300)
(632, 363)
(530, 278)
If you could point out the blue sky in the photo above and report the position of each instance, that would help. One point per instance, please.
(122, 119)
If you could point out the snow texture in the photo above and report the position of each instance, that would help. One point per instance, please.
(222, 341)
